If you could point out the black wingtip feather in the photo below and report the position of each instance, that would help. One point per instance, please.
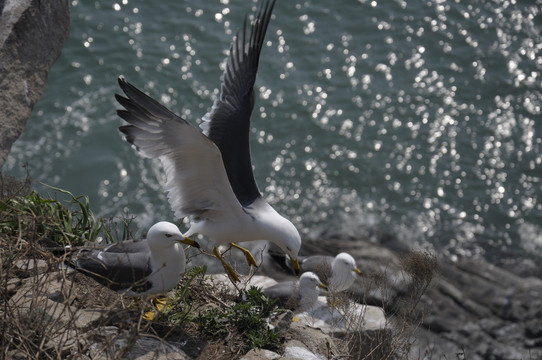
(120, 99)
(127, 131)
(124, 114)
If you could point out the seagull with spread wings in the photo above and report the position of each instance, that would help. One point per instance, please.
(209, 174)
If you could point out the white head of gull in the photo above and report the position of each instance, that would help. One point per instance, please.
(209, 176)
(338, 273)
(304, 292)
(137, 267)
(344, 272)
(309, 290)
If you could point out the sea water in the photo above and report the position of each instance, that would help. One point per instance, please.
(418, 118)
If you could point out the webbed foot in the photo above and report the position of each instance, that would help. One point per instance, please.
(232, 274)
(248, 255)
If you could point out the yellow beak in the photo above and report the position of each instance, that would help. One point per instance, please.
(295, 266)
(323, 286)
(190, 242)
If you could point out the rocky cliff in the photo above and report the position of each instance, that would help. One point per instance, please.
(32, 33)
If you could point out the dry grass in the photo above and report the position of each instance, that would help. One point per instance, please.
(36, 320)
(403, 313)
(43, 313)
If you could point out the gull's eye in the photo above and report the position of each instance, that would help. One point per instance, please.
(168, 235)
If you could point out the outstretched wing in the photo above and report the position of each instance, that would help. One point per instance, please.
(196, 182)
(228, 122)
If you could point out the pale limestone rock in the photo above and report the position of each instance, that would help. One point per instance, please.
(111, 343)
(39, 294)
(32, 265)
(352, 317)
(261, 354)
(295, 350)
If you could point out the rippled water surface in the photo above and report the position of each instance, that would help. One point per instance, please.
(422, 118)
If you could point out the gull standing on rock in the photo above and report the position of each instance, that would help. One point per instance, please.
(209, 175)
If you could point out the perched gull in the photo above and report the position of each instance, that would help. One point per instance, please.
(338, 273)
(137, 267)
(303, 294)
(209, 175)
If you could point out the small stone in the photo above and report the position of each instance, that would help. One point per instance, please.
(13, 284)
(282, 321)
(16, 355)
(109, 341)
(257, 354)
(86, 318)
(296, 351)
(34, 265)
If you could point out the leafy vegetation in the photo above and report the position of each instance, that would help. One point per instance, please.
(49, 221)
(180, 305)
(247, 316)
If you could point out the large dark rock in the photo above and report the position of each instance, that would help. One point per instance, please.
(32, 33)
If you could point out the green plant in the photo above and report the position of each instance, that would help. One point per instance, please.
(50, 221)
(249, 318)
(246, 317)
(212, 323)
(179, 306)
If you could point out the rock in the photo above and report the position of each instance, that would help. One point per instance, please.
(485, 310)
(349, 318)
(13, 284)
(261, 354)
(64, 341)
(303, 339)
(295, 350)
(471, 309)
(32, 34)
(109, 342)
(39, 295)
(32, 266)
(534, 327)
(147, 348)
